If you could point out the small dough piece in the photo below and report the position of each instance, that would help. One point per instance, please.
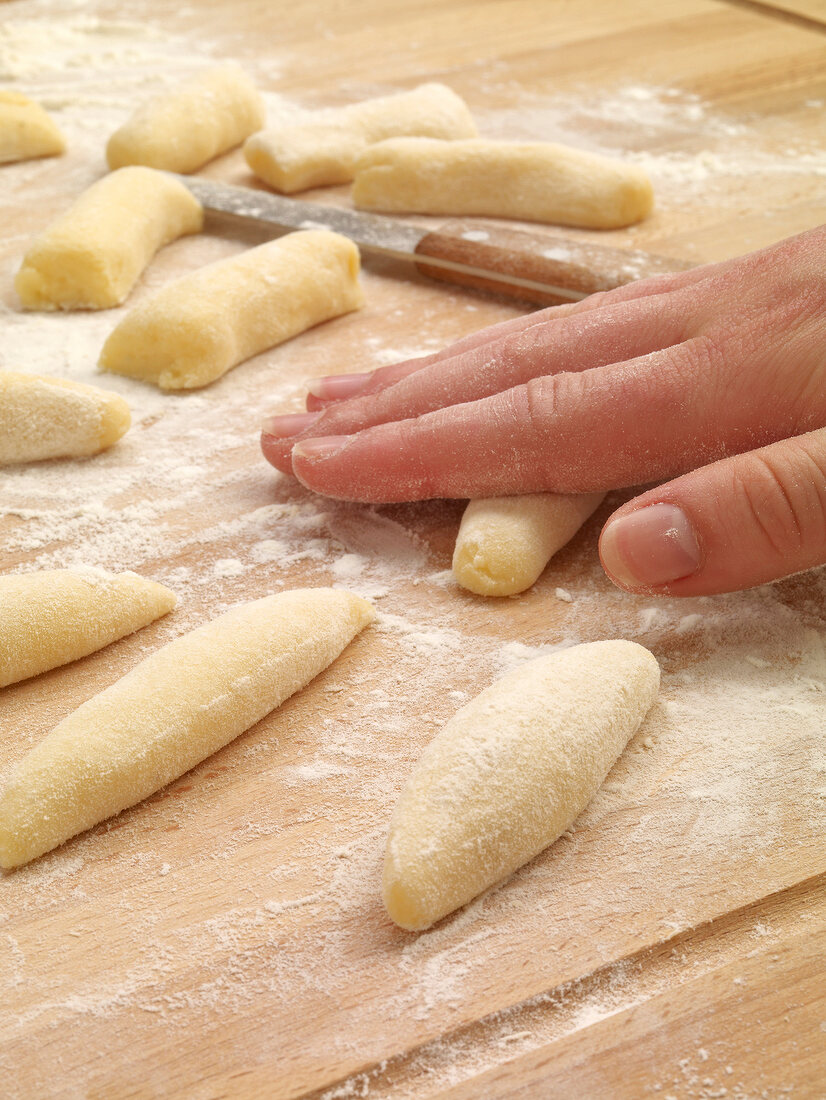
(26, 130)
(55, 616)
(504, 543)
(92, 256)
(191, 124)
(178, 706)
(198, 327)
(510, 772)
(324, 149)
(44, 417)
(534, 181)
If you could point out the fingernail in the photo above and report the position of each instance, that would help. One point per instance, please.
(334, 387)
(323, 447)
(650, 547)
(284, 426)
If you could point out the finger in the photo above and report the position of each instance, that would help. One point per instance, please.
(734, 524)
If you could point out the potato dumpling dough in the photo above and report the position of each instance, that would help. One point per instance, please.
(323, 149)
(185, 127)
(198, 327)
(510, 772)
(179, 705)
(44, 417)
(533, 181)
(26, 130)
(55, 616)
(504, 543)
(92, 256)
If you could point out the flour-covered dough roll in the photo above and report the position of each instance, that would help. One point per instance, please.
(198, 327)
(504, 543)
(179, 705)
(92, 256)
(26, 130)
(323, 149)
(185, 127)
(54, 616)
(510, 772)
(43, 417)
(533, 181)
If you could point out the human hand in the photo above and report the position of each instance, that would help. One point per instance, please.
(715, 377)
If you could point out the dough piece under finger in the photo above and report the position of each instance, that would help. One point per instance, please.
(198, 327)
(510, 772)
(534, 181)
(92, 256)
(44, 418)
(323, 149)
(189, 125)
(55, 616)
(504, 543)
(178, 706)
(26, 130)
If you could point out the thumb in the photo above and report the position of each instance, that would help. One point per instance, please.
(734, 524)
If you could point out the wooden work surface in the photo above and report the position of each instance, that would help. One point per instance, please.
(226, 937)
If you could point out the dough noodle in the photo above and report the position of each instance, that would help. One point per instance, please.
(198, 327)
(58, 615)
(184, 702)
(324, 149)
(510, 772)
(91, 257)
(504, 543)
(53, 418)
(191, 124)
(26, 130)
(535, 181)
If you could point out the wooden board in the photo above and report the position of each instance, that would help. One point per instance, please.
(226, 937)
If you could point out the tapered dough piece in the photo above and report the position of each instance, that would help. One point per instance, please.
(323, 150)
(533, 181)
(92, 256)
(510, 772)
(26, 130)
(178, 706)
(55, 616)
(504, 543)
(198, 327)
(44, 417)
(187, 126)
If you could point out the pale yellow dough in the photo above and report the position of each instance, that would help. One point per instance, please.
(533, 181)
(26, 130)
(504, 543)
(323, 149)
(198, 327)
(44, 417)
(184, 702)
(92, 256)
(55, 616)
(191, 124)
(510, 772)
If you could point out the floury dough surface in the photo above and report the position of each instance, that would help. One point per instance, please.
(26, 130)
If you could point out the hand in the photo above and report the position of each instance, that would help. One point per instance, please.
(715, 377)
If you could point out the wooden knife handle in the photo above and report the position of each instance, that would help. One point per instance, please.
(531, 263)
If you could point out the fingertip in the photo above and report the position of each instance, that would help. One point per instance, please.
(649, 548)
(277, 452)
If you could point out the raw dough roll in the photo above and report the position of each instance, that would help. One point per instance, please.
(26, 130)
(198, 327)
(58, 615)
(510, 772)
(534, 181)
(184, 702)
(504, 543)
(53, 418)
(184, 128)
(91, 257)
(323, 150)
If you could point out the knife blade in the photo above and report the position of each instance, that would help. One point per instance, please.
(534, 267)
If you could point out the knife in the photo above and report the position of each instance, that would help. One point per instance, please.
(533, 267)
